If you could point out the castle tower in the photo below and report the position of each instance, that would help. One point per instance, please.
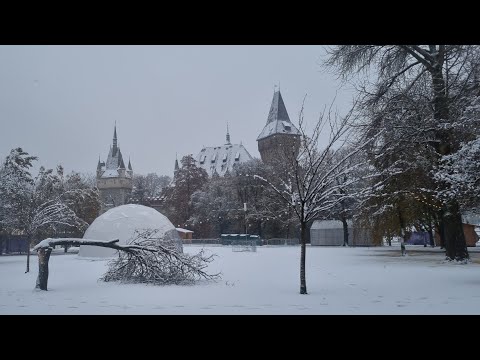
(279, 137)
(114, 181)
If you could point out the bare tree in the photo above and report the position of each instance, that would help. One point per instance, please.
(148, 258)
(310, 187)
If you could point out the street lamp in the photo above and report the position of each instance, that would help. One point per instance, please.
(245, 211)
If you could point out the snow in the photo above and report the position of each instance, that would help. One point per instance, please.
(221, 159)
(110, 173)
(340, 280)
(121, 223)
(277, 127)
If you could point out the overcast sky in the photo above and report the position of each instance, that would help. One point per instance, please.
(61, 102)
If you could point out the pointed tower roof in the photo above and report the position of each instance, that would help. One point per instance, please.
(114, 159)
(99, 165)
(129, 164)
(278, 121)
(228, 137)
(176, 165)
(115, 139)
(278, 111)
(121, 164)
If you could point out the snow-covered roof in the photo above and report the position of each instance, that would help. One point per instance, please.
(184, 230)
(110, 173)
(278, 121)
(278, 127)
(329, 224)
(222, 158)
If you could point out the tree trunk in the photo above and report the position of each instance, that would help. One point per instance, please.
(303, 236)
(454, 238)
(28, 254)
(455, 243)
(430, 236)
(403, 233)
(441, 231)
(345, 231)
(42, 278)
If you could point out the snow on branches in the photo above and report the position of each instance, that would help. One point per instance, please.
(157, 261)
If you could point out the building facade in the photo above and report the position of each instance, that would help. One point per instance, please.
(114, 180)
(223, 158)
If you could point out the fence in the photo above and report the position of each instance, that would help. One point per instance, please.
(259, 242)
(13, 244)
(203, 241)
(281, 241)
(244, 245)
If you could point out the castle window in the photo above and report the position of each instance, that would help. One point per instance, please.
(214, 157)
(202, 159)
(224, 157)
(237, 156)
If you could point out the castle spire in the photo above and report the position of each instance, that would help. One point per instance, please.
(176, 164)
(228, 137)
(115, 139)
(278, 111)
(129, 164)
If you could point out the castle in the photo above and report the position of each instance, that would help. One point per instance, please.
(114, 181)
(278, 138)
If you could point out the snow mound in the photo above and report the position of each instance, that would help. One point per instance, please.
(121, 223)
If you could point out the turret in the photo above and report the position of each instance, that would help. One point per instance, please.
(130, 170)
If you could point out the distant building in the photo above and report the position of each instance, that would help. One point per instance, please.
(185, 235)
(471, 230)
(223, 158)
(279, 134)
(155, 202)
(114, 180)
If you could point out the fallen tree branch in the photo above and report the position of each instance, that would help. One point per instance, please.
(147, 259)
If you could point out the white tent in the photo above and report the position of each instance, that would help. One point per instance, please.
(121, 223)
(330, 233)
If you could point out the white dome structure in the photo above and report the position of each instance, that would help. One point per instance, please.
(121, 223)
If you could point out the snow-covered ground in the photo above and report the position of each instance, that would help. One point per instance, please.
(339, 281)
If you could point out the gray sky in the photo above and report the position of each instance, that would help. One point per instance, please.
(61, 102)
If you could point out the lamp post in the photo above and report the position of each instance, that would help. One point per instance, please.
(245, 212)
